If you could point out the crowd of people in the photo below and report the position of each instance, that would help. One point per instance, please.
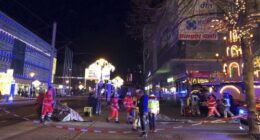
(201, 104)
(140, 109)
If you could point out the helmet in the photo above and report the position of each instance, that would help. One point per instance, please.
(152, 95)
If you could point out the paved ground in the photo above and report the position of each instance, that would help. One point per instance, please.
(16, 128)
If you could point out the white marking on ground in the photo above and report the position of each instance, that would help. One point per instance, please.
(16, 115)
(127, 132)
(97, 131)
(197, 124)
(178, 127)
(84, 130)
(112, 132)
(71, 129)
(58, 126)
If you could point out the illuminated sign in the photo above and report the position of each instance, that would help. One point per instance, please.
(54, 68)
(171, 79)
(6, 80)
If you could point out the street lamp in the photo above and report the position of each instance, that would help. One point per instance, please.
(32, 74)
(217, 57)
(69, 81)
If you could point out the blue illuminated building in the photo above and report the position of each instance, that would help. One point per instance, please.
(24, 52)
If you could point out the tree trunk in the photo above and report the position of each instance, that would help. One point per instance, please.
(248, 77)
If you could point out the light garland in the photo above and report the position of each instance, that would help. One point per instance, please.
(231, 19)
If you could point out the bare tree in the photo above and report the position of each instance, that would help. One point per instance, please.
(239, 15)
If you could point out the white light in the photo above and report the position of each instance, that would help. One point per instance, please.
(81, 87)
(241, 111)
(32, 74)
(60, 86)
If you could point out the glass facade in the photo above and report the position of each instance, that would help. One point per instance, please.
(23, 51)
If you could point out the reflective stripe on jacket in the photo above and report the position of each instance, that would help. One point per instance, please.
(153, 106)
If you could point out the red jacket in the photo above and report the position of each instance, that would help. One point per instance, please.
(128, 102)
(40, 101)
(114, 103)
(211, 102)
(48, 98)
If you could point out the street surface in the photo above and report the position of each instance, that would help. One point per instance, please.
(170, 126)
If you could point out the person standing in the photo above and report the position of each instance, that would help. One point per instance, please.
(99, 87)
(114, 109)
(143, 111)
(212, 106)
(153, 109)
(39, 103)
(183, 105)
(195, 110)
(47, 107)
(226, 103)
(129, 104)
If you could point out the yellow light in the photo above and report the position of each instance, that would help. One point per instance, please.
(231, 87)
(225, 38)
(217, 55)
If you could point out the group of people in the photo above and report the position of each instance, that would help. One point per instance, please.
(139, 108)
(196, 101)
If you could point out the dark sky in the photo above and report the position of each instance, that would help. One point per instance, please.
(95, 27)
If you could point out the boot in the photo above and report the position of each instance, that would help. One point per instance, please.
(48, 119)
(42, 120)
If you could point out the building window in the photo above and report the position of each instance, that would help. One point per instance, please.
(234, 70)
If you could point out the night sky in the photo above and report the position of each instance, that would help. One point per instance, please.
(95, 28)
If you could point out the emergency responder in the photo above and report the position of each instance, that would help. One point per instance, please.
(39, 104)
(226, 103)
(143, 111)
(135, 113)
(212, 106)
(153, 110)
(114, 108)
(195, 109)
(129, 104)
(47, 107)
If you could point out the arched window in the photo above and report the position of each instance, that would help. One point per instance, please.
(234, 69)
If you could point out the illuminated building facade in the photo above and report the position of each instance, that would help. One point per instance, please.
(232, 67)
(23, 52)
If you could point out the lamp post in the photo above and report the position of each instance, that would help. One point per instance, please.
(70, 70)
(67, 84)
(217, 76)
(32, 74)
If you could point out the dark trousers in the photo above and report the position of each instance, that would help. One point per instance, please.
(152, 121)
(142, 121)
